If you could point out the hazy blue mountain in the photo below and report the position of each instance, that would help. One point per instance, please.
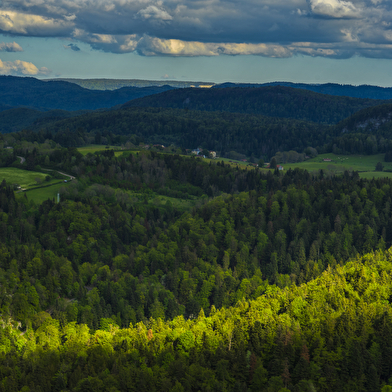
(34, 93)
(347, 90)
(113, 84)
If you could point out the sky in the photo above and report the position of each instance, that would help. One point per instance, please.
(253, 41)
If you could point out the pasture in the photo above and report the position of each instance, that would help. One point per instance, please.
(97, 147)
(24, 178)
(41, 194)
(364, 164)
(27, 181)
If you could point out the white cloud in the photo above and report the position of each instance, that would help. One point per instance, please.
(155, 46)
(35, 25)
(19, 67)
(10, 47)
(334, 8)
(108, 43)
(153, 12)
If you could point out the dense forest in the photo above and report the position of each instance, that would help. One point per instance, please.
(253, 122)
(330, 334)
(160, 271)
(223, 132)
(345, 90)
(249, 135)
(272, 101)
(259, 286)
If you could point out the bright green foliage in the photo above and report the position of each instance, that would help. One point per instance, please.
(331, 333)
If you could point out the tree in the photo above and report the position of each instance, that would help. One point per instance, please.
(379, 166)
(273, 163)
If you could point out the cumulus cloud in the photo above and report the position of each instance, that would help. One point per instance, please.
(274, 28)
(335, 8)
(18, 23)
(22, 68)
(154, 46)
(153, 12)
(10, 47)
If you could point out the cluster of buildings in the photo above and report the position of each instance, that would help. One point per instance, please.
(198, 152)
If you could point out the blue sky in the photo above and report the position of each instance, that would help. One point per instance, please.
(311, 41)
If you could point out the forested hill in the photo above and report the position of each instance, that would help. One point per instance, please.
(273, 101)
(374, 120)
(332, 334)
(368, 131)
(223, 132)
(34, 93)
(16, 119)
(347, 90)
(259, 287)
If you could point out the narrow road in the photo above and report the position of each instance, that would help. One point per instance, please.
(23, 160)
(64, 174)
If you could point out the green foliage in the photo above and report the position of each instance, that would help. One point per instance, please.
(254, 288)
(332, 332)
(274, 101)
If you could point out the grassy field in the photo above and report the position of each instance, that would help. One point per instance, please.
(24, 178)
(364, 164)
(96, 147)
(42, 194)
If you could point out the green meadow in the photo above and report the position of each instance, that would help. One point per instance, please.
(27, 181)
(96, 147)
(24, 178)
(364, 164)
(41, 194)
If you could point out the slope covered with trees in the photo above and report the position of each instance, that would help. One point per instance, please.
(34, 93)
(330, 334)
(254, 288)
(222, 132)
(272, 101)
(346, 90)
(140, 259)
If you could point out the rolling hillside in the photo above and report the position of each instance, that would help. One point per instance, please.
(273, 101)
(34, 93)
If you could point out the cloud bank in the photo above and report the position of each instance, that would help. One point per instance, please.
(272, 28)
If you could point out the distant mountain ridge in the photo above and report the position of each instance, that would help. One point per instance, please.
(347, 90)
(271, 101)
(34, 93)
(114, 84)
